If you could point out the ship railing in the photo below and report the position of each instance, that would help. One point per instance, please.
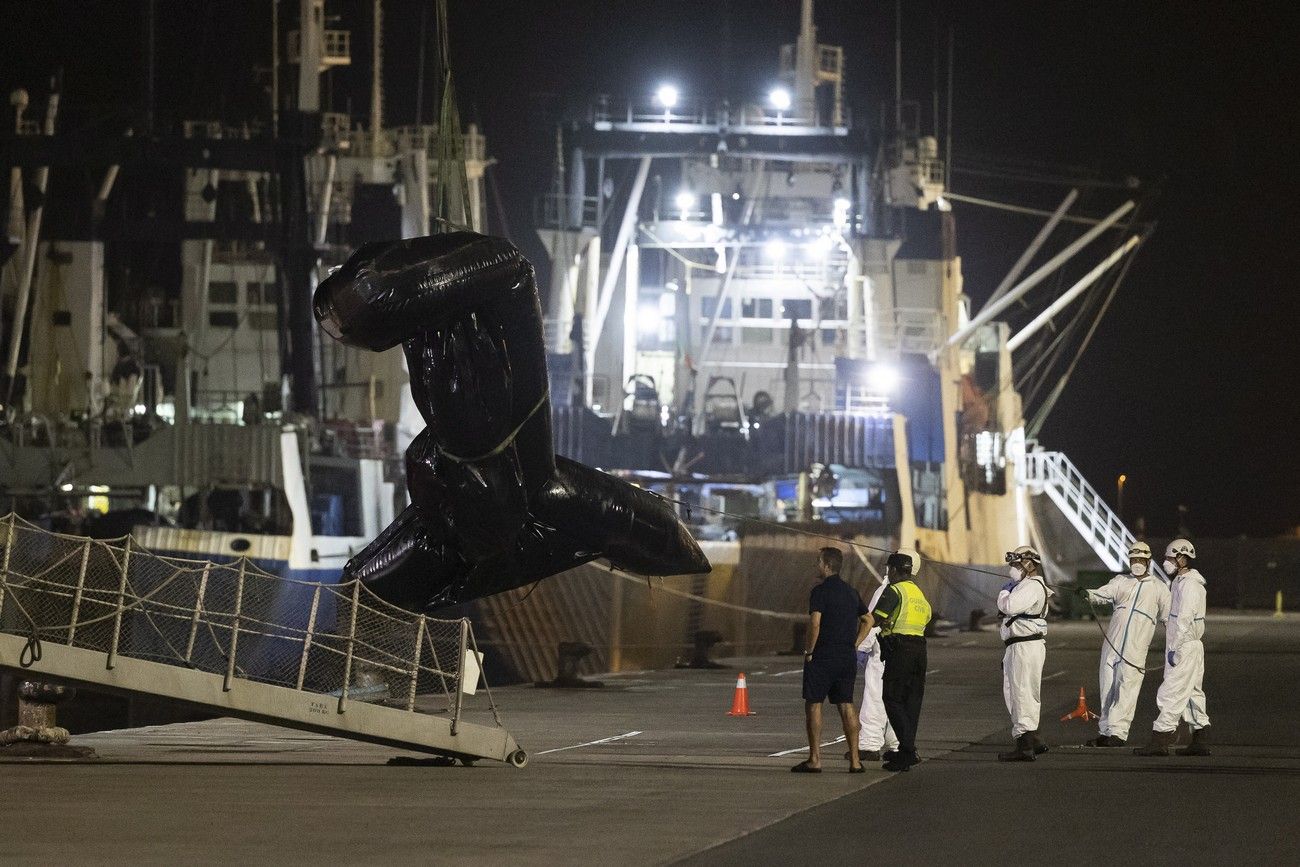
(699, 115)
(903, 330)
(230, 635)
(559, 211)
(556, 333)
(373, 441)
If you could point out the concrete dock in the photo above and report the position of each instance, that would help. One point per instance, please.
(651, 770)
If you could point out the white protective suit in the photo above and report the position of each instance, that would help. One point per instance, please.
(1139, 604)
(875, 733)
(1023, 605)
(1181, 695)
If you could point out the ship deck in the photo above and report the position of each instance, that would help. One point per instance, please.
(649, 769)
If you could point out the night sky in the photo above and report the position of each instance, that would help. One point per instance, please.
(1190, 384)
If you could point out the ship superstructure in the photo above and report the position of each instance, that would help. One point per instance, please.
(758, 303)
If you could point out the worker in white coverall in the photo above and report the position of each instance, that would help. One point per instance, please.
(1023, 606)
(1140, 600)
(1181, 695)
(875, 734)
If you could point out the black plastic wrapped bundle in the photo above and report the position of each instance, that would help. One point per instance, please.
(492, 507)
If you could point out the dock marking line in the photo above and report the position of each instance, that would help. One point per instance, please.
(791, 671)
(623, 736)
(838, 740)
(1054, 674)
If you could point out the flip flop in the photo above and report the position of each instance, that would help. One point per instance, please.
(805, 768)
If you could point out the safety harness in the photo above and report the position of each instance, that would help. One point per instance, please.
(1026, 615)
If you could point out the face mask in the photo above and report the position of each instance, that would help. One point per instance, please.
(1017, 573)
(1138, 568)
(1171, 566)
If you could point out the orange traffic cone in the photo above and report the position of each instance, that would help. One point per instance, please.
(1081, 711)
(740, 703)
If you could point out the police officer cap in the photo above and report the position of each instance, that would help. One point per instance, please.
(901, 562)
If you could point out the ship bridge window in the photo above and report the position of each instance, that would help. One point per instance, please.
(797, 308)
(756, 308)
(334, 497)
(223, 319)
(255, 509)
(223, 292)
(709, 304)
(834, 308)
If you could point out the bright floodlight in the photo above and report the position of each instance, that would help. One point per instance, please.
(666, 95)
(649, 320)
(821, 245)
(775, 249)
(883, 378)
(685, 200)
(780, 98)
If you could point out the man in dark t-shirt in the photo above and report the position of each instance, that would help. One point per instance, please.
(837, 624)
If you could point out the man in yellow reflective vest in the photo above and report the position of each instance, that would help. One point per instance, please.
(902, 612)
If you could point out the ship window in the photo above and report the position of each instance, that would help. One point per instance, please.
(917, 267)
(828, 336)
(223, 292)
(223, 319)
(834, 308)
(756, 335)
(262, 320)
(756, 308)
(253, 292)
(710, 304)
(799, 308)
(722, 335)
(334, 501)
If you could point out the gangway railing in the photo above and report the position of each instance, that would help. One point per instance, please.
(232, 637)
(1090, 515)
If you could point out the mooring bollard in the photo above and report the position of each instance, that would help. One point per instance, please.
(1277, 611)
(38, 734)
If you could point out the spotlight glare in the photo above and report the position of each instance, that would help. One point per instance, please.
(779, 97)
(666, 95)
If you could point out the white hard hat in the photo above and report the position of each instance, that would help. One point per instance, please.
(1181, 546)
(914, 559)
(1024, 552)
(1139, 550)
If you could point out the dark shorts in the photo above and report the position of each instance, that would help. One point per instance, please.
(830, 676)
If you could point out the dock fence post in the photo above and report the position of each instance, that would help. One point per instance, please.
(198, 610)
(306, 641)
(76, 597)
(415, 664)
(121, 601)
(10, 540)
(352, 638)
(234, 626)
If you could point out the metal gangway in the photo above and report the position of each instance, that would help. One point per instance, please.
(243, 642)
(1056, 475)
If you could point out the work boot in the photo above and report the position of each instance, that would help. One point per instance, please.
(1106, 741)
(1198, 745)
(1182, 734)
(1159, 746)
(1024, 751)
(1039, 746)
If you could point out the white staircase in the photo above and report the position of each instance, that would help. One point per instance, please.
(1053, 473)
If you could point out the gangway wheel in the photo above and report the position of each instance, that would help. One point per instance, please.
(518, 758)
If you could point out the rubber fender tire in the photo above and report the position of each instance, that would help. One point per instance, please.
(518, 758)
